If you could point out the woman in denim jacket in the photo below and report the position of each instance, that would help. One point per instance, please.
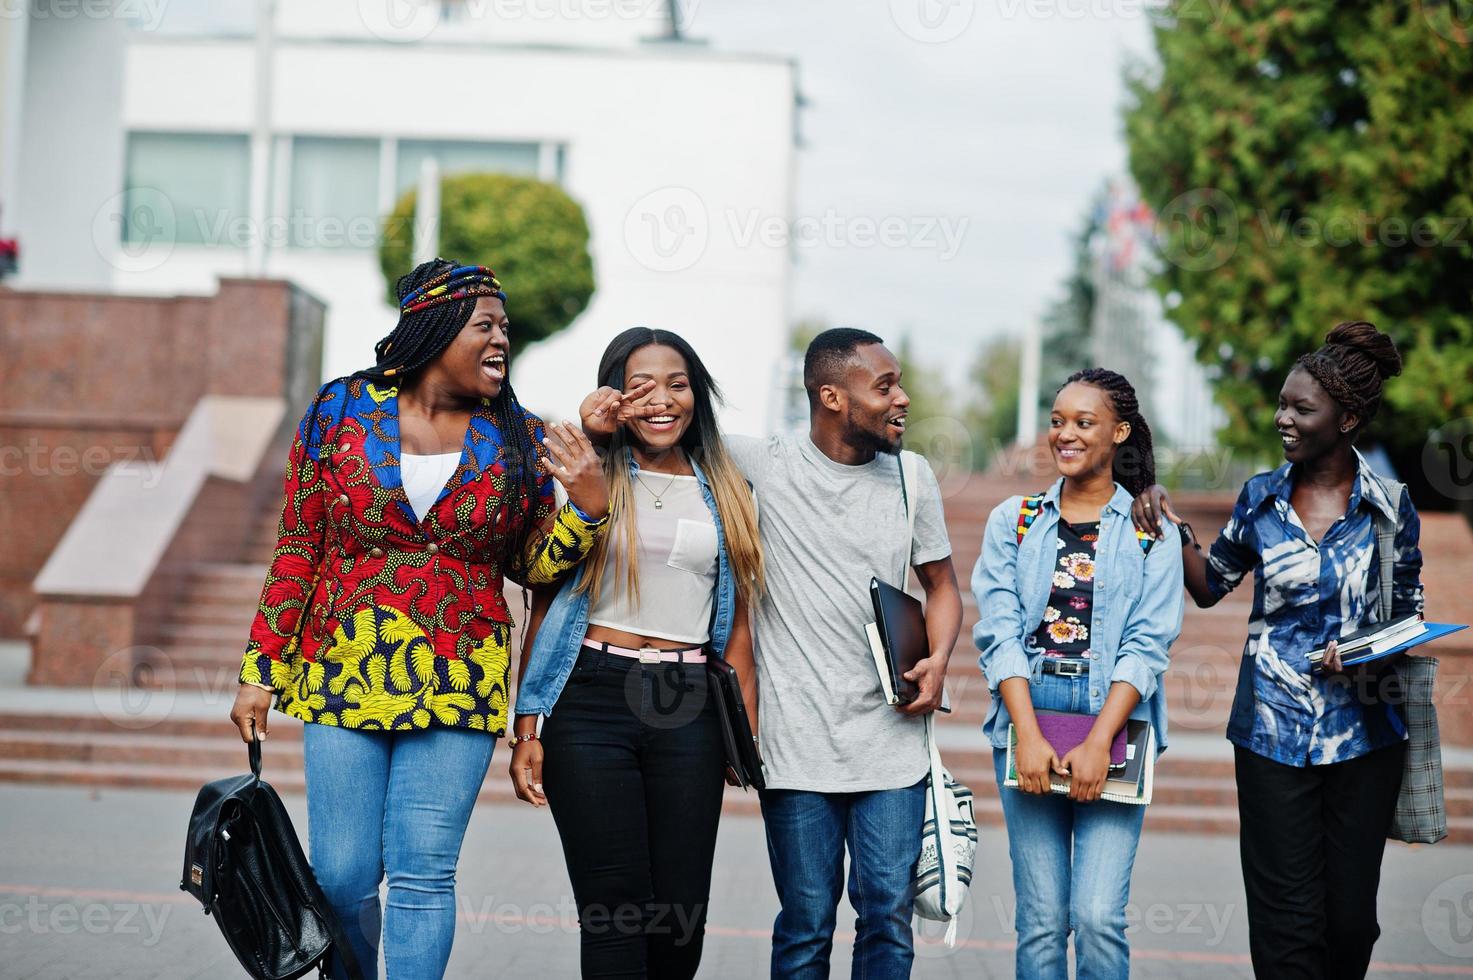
(631, 756)
(1078, 615)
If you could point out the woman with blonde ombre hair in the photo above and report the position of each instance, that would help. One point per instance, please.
(631, 750)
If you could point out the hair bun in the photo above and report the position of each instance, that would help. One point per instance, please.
(1365, 339)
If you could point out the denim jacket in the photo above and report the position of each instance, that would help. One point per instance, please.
(559, 638)
(1136, 615)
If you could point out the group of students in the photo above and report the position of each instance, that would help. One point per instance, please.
(415, 486)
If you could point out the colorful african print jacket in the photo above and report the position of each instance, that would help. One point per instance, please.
(1305, 594)
(406, 625)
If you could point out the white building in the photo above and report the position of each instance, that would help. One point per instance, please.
(140, 152)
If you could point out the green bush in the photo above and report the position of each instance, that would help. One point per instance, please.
(532, 233)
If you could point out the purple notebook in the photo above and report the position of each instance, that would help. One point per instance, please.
(1065, 730)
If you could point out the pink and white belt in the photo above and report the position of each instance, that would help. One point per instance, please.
(652, 655)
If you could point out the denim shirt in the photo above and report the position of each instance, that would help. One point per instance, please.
(1306, 593)
(560, 637)
(1137, 612)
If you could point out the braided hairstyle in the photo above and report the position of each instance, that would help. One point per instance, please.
(436, 301)
(1352, 367)
(1134, 466)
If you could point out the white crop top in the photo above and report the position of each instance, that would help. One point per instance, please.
(677, 564)
(424, 477)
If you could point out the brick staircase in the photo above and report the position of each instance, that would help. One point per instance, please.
(180, 737)
(198, 643)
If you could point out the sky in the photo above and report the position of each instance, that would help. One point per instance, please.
(997, 120)
(980, 130)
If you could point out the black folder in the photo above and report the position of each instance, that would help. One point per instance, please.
(900, 625)
(736, 729)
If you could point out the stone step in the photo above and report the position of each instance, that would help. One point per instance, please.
(168, 724)
(1193, 793)
(236, 573)
(1183, 781)
(219, 751)
(195, 725)
(1186, 654)
(284, 778)
(205, 636)
(288, 778)
(218, 679)
(231, 614)
(1197, 710)
(214, 744)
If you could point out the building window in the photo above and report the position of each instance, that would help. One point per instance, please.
(458, 157)
(194, 187)
(334, 193)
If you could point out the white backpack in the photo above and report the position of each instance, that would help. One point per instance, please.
(948, 846)
(943, 872)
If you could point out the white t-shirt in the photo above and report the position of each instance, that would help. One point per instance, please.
(826, 529)
(424, 477)
(677, 556)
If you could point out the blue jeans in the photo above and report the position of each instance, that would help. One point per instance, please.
(1057, 894)
(395, 804)
(806, 837)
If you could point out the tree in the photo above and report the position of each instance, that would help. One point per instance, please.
(1068, 322)
(532, 233)
(991, 415)
(1312, 162)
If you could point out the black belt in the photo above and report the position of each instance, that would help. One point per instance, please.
(1066, 666)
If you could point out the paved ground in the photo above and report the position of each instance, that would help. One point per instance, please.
(88, 889)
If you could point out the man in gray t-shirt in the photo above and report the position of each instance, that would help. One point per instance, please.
(826, 528)
(843, 768)
(841, 764)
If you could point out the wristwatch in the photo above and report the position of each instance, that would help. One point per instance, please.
(1188, 536)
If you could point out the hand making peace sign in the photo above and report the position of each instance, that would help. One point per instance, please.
(572, 461)
(604, 410)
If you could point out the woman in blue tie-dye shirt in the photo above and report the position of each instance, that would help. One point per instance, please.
(1318, 756)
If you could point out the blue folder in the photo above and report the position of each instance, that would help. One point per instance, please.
(1435, 631)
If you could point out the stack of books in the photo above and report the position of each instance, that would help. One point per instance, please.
(1132, 773)
(1383, 640)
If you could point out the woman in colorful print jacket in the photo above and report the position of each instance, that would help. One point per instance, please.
(1318, 756)
(412, 488)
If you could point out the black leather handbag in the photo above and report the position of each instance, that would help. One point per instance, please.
(243, 861)
(736, 729)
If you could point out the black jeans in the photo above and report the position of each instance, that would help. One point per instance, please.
(634, 769)
(1311, 840)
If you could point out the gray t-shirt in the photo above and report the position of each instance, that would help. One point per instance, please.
(826, 528)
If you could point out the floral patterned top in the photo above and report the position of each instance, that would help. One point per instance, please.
(1064, 631)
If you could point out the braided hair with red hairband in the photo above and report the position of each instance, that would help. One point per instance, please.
(436, 301)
